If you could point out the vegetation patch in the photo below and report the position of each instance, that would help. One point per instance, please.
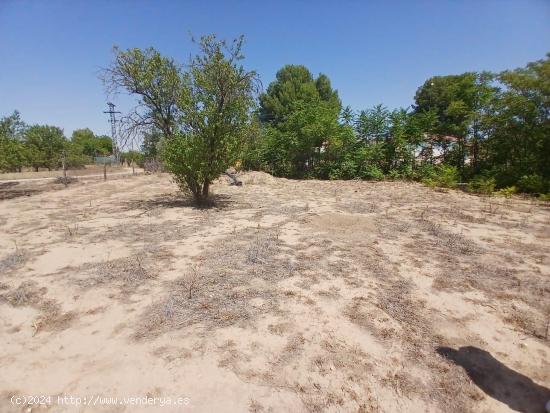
(13, 260)
(230, 284)
(51, 316)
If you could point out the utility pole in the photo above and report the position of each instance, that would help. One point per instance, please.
(113, 120)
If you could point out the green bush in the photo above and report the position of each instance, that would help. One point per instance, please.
(507, 192)
(343, 170)
(532, 184)
(424, 171)
(481, 185)
(404, 172)
(371, 172)
(443, 176)
(544, 197)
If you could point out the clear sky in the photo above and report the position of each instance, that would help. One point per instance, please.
(373, 51)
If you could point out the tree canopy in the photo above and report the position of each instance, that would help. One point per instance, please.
(90, 144)
(202, 110)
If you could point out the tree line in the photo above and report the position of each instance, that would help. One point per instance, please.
(44, 146)
(486, 130)
(490, 130)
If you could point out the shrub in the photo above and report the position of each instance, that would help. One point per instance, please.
(507, 192)
(371, 172)
(343, 170)
(544, 197)
(532, 184)
(482, 185)
(441, 176)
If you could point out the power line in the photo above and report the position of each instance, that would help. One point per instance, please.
(113, 120)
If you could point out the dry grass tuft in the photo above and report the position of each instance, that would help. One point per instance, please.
(65, 180)
(293, 348)
(27, 294)
(13, 260)
(127, 272)
(151, 232)
(403, 383)
(344, 364)
(255, 406)
(51, 317)
(280, 328)
(447, 241)
(408, 324)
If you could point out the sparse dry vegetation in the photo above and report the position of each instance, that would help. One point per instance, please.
(13, 260)
(315, 296)
(50, 317)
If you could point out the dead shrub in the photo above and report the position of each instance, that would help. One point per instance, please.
(51, 317)
(27, 294)
(448, 240)
(13, 260)
(127, 272)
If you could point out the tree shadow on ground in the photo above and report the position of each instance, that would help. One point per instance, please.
(7, 191)
(181, 201)
(514, 389)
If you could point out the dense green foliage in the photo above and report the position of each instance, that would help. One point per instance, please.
(488, 130)
(481, 131)
(43, 146)
(90, 144)
(203, 111)
(301, 133)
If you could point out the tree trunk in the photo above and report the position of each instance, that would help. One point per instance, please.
(64, 172)
(205, 189)
(200, 193)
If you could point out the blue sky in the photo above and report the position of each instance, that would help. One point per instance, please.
(373, 51)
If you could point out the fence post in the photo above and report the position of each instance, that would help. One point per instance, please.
(63, 160)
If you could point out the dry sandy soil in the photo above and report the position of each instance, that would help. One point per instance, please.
(287, 296)
(43, 173)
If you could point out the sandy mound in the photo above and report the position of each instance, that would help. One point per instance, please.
(256, 178)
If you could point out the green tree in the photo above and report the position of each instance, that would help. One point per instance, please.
(91, 144)
(13, 153)
(156, 81)
(45, 146)
(202, 111)
(400, 144)
(347, 116)
(519, 123)
(294, 85)
(301, 129)
(150, 143)
(72, 155)
(459, 102)
(307, 142)
(373, 124)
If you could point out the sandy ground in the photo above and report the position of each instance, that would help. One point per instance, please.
(287, 296)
